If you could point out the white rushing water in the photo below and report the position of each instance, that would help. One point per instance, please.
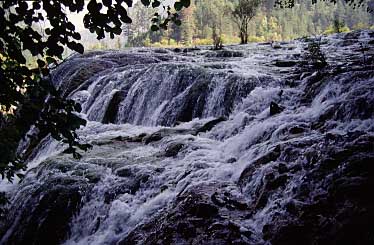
(145, 92)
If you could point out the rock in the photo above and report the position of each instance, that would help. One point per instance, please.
(194, 104)
(296, 130)
(131, 184)
(160, 51)
(193, 219)
(246, 174)
(231, 160)
(125, 172)
(203, 210)
(340, 214)
(112, 109)
(139, 138)
(276, 45)
(49, 211)
(286, 63)
(152, 138)
(186, 50)
(282, 168)
(225, 54)
(277, 182)
(209, 125)
(80, 75)
(173, 149)
(275, 109)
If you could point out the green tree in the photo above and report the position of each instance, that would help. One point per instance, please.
(242, 14)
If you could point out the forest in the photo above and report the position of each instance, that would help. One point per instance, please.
(270, 23)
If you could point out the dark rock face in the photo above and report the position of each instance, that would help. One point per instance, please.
(286, 63)
(225, 54)
(113, 107)
(342, 213)
(173, 149)
(43, 218)
(199, 216)
(275, 109)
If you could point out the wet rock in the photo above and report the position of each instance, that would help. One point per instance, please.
(277, 182)
(113, 107)
(276, 45)
(160, 51)
(187, 50)
(83, 72)
(286, 63)
(231, 160)
(203, 210)
(93, 177)
(282, 168)
(218, 66)
(125, 172)
(296, 130)
(130, 185)
(225, 199)
(225, 54)
(275, 109)
(157, 136)
(139, 138)
(246, 175)
(173, 149)
(342, 212)
(194, 104)
(209, 125)
(193, 219)
(50, 208)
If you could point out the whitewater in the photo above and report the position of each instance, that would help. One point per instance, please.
(187, 149)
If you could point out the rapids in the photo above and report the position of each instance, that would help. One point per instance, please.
(186, 149)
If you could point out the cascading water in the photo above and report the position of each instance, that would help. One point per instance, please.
(187, 151)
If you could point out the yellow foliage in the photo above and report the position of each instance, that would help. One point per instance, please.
(275, 37)
(226, 39)
(256, 39)
(164, 42)
(147, 42)
(331, 30)
(173, 42)
(204, 41)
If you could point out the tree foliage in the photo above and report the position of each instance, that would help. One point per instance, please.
(271, 22)
(242, 14)
(291, 3)
(27, 95)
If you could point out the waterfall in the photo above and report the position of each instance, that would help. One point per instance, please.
(186, 149)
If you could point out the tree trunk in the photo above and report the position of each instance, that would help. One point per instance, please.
(242, 41)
